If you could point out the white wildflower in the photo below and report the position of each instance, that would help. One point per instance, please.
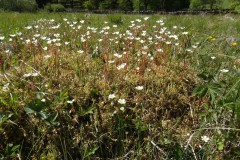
(28, 27)
(138, 20)
(139, 88)
(159, 21)
(5, 87)
(47, 56)
(213, 57)
(2, 38)
(205, 138)
(19, 33)
(80, 51)
(12, 35)
(168, 42)
(58, 44)
(28, 41)
(71, 101)
(36, 35)
(189, 50)
(122, 101)
(117, 55)
(49, 42)
(35, 74)
(27, 75)
(111, 96)
(43, 38)
(146, 18)
(194, 46)
(224, 70)
(121, 66)
(111, 61)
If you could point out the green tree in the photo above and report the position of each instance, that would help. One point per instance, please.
(228, 4)
(90, 4)
(138, 5)
(212, 4)
(19, 6)
(173, 5)
(196, 5)
(154, 5)
(108, 4)
(42, 3)
(144, 5)
(125, 5)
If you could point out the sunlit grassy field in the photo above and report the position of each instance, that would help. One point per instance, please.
(85, 86)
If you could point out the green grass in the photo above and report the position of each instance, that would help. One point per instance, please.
(144, 91)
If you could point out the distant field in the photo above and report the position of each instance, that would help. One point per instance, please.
(119, 86)
(207, 24)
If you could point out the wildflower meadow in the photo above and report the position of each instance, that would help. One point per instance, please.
(88, 86)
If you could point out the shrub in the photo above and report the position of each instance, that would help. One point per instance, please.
(237, 8)
(89, 5)
(195, 5)
(19, 6)
(55, 8)
(125, 5)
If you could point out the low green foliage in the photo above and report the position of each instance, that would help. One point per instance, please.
(54, 8)
(20, 5)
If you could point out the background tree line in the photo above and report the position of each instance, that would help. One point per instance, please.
(126, 5)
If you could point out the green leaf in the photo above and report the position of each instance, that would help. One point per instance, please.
(14, 148)
(87, 111)
(4, 118)
(42, 114)
(178, 152)
(51, 119)
(35, 106)
(91, 152)
(220, 146)
(3, 101)
(28, 110)
(200, 91)
(206, 76)
(140, 126)
(94, 92)
(214, 90)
